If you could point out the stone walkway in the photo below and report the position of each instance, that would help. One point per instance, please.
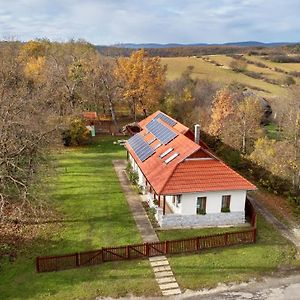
(162, 270)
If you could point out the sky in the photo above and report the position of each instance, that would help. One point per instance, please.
(107, 22)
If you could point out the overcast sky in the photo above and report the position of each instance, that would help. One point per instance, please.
(161, 21)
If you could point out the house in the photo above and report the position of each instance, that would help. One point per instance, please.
(183, 180)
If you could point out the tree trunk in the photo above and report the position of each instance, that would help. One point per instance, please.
(244, 139)
(113, 116)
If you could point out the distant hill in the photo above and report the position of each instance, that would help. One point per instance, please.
(176, 45)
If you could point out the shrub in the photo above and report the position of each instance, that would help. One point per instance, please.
(225, 209)
(294, 73)
(238, 65)
(77, 134)
(288, 80)
(253, 74)
(133, 176)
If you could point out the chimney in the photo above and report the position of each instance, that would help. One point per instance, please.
(197, 134)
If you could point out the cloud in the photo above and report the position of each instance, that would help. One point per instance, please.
(163, 21)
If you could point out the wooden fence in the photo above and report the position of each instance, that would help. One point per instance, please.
(139, 251)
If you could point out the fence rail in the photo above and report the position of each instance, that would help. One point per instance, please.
(139, 251)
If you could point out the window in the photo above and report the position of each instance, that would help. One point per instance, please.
(173, 156)
(158, 145)
(166, 152)
(152, 141)
(201, 205)
(226, 203)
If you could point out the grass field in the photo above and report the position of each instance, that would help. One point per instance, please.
(271, 74)
(205, 70)
(236, 263)
(92, 212)
(95, 213)
(284, 66)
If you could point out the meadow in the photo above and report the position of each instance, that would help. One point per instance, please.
(205, 69)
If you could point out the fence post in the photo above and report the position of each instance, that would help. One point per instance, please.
(102, 253)
(37, 264)
(254, 235)
(226, 238)
(166, 247)
(198, 244)
(147, 249)
(127, 252)
(77, 260)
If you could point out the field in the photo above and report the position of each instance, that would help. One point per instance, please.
(204, 69)
(95, 213)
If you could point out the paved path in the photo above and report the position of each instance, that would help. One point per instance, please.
(162, 270)
(290, 234)
(286, 288)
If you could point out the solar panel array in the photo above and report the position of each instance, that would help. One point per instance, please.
(140, 147)
(166, 119)
(161, 132)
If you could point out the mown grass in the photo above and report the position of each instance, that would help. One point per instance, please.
(206, 70)
(175, 234)
(93, 212)
(235, 264)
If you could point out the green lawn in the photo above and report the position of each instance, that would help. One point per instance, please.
(238, 263)
(93, 212)
(177, 234)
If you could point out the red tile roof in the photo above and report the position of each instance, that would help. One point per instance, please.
(195, 169)
(204, 175)
(90, 115)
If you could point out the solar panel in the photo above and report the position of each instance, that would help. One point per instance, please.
(166, 119)
(161, 132)
(140, 147)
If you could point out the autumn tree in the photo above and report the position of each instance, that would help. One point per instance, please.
(244, 125)
(222, 108)
(142, 79)
(102, 84)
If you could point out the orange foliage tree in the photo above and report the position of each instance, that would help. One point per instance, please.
(222, 108)
(142, 79)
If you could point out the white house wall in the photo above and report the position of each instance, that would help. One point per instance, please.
(185, 215)
(135, 167)
(213, 202)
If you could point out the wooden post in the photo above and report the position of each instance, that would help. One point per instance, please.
(77, 260)
(226, 238)
(37, 264)
(147, 249)
(166, 247)
(102, 254)
(164, 207)
(127, 252)
(198, 244)
(158, 200)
